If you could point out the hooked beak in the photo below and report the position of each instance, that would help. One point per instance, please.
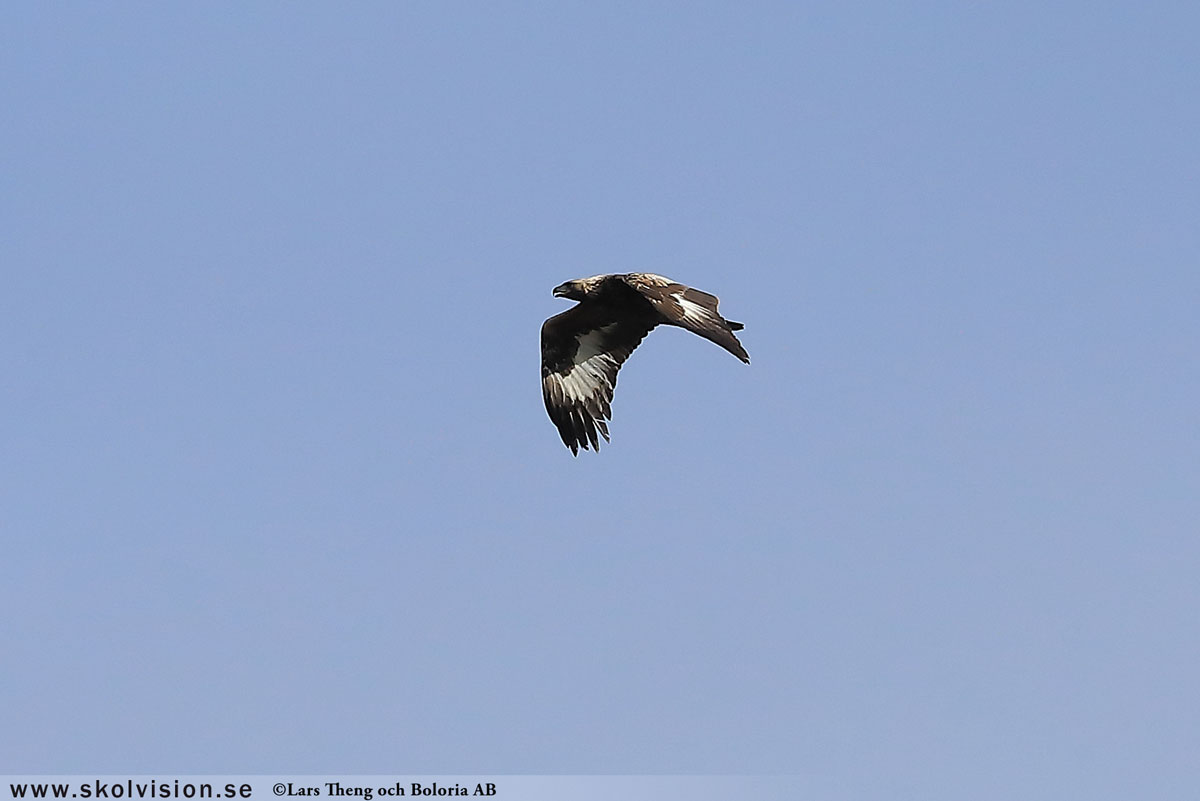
(561, 290)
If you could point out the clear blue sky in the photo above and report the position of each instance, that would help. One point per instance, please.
(278, 492)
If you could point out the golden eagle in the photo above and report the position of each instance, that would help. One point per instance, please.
(585, 346)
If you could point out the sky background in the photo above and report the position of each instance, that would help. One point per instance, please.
(278, 492)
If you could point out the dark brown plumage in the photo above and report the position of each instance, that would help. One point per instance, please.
(585, 346)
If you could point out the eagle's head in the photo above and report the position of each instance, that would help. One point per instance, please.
(578, 289)
(573, 290)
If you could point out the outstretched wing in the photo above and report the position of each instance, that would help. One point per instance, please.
(689, 308)
(582, 350)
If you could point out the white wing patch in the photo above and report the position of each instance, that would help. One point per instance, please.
(695, 313)
(591, 344)
(592, 364)
(584, 380)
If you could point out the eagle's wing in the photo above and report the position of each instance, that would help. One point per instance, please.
(582, 350)
(689, 308)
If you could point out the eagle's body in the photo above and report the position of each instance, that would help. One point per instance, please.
(585, 346)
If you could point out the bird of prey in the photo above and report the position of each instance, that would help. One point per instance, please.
(585, 346)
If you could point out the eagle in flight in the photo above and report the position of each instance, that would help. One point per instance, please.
(585, 346)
